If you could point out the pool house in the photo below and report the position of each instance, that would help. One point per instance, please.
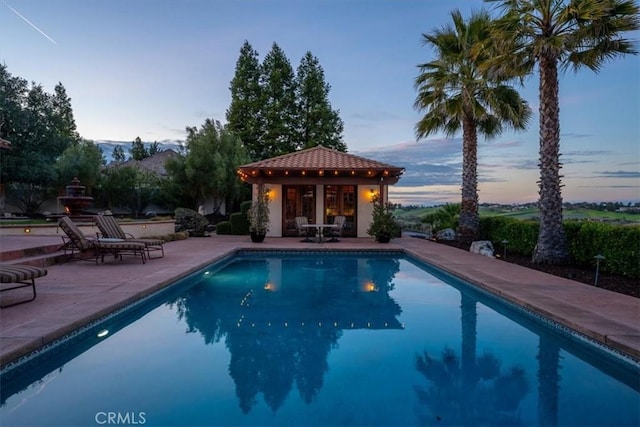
(320, 183)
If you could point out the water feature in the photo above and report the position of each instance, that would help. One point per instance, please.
(75, 201)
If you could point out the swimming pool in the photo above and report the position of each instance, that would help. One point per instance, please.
(289, 338)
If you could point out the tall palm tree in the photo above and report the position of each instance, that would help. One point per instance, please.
(456, 94)
(549, 34)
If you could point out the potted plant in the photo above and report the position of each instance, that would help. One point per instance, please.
(258, 215)
(383, 225)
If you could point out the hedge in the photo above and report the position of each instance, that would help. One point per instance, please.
(619, 244)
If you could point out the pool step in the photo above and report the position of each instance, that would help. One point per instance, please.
(40, 256)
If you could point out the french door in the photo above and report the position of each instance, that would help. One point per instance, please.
(341, 200)
(298, 200)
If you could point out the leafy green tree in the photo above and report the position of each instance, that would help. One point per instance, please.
(279, 105)
(154, 148)
(118, 154)
(83, 160)
(128, 187)
(548, 34)
(318, 123)
(138, 150)
(116, 187)
(40, 127)
(173, 186)
(244, 115)
(457, 95)
(208, 170)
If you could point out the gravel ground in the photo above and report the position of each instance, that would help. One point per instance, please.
(620, 284)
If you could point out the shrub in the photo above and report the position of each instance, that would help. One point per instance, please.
(619, 244)
(223, 227)
(521, 235)
(239, 223)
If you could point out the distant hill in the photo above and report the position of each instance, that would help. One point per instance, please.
(108, 146)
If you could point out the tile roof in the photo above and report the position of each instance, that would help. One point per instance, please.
(320, 157)
(153, 163)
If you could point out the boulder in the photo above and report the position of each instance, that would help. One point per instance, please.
(191, 221)
(482, 247)
(446, 234)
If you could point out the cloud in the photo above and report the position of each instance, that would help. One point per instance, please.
(588, 153)
(575, 135)
(617, 174)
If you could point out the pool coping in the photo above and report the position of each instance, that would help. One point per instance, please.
(75, 294)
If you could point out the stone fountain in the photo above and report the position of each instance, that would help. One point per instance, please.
(74, 200)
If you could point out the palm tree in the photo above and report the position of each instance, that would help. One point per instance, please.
(456, 94)
(569, 34)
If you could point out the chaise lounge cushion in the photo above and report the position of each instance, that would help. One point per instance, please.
(110, 228)
(15, 273)
(23, 276)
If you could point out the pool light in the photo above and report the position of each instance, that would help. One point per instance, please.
(103, 333)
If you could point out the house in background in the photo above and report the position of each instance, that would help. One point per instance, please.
(320, 183)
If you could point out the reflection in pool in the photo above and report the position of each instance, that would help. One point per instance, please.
(321, 339)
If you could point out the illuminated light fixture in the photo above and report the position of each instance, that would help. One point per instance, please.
(144, 226)
(103, 333)
(335, 172)
(27, 230)
(353, 172)
(254, 172)
(267, 286)
(386, 172)
(369, 173)
(286, 172)
(320, 172)
(304, 172)
(269, 172)
(206, 273)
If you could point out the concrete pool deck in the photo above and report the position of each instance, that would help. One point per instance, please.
(76, 293)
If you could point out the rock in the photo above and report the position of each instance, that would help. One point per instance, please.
(446, 234)
(482, 247)
(191, 221)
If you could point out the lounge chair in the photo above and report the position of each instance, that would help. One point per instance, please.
(307, 232)
(20, 276)
(79, 245)
(340, 221)
(109, 228)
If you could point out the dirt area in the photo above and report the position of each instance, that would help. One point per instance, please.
(620, 284)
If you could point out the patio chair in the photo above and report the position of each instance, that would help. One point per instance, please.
(80, 246)
(109, 228)
(20, 276)
(307, 232)
(340, 221)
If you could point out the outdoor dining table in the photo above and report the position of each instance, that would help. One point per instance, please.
(320, 228)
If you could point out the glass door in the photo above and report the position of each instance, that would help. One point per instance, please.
(341, 200)
(298, 200)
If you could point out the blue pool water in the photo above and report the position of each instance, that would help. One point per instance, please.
(294, 339)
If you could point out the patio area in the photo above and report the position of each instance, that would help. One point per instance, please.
(74, 294)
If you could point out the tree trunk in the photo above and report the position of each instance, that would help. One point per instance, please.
(469, 223)
(552, 243)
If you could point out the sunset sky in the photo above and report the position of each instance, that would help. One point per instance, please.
(150, 68)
